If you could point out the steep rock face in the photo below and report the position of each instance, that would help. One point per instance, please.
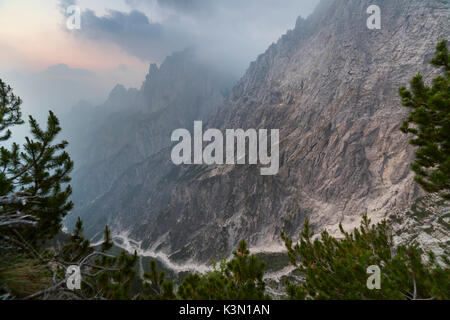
(185, 84)
(427, 224)
(135, 124)
(331, 87)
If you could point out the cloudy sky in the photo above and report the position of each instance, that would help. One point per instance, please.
(53, 67)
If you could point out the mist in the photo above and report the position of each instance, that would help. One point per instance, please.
(226, 33)
(118, 40)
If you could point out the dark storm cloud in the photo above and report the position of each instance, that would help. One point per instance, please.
(226, 32)
(134, 23)
(132, 31)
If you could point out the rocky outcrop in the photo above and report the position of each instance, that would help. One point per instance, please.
(331, 87)
(426, 224)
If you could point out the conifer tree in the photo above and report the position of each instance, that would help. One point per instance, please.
(239, 279)
(34, 197)
(337, 268)
(104, 275)
(34, 194)
(429, 123)
(155, 286)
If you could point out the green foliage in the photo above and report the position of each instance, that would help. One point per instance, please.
(34, 197)
(155, 286)
(78, 247)
(429, 122)
(33, 178)
(9, 110)
(336, 268)
(104, 275)
(239, 279)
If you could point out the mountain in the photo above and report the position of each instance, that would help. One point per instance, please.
(330, 86)
(134, 124)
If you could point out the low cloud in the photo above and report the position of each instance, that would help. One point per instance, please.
(133, 31)
(59, 87)
(230, 33)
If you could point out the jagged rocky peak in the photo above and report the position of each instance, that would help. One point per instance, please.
(151, 71)
(153, 68)
(117, 91)
(120, 98)
(183, 80)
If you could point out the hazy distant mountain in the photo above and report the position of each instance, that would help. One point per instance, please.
(134, 124)
(330, 85)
